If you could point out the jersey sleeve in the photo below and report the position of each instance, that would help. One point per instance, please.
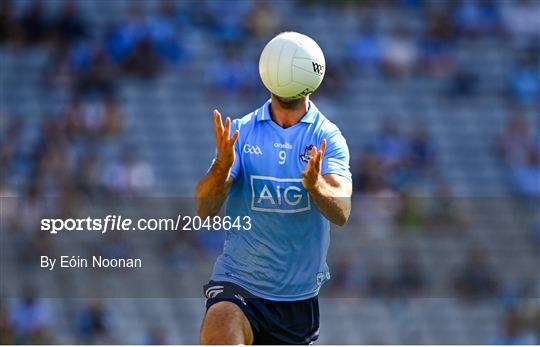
(337, 157)
(235, 168)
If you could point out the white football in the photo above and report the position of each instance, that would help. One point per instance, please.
(292, 65)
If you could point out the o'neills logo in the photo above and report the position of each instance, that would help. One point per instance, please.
(285, 145)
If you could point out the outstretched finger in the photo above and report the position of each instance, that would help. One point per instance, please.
(234, 137)
(313, 159)
(321, 153)
(227, 128)
(317, 162)
(218, 124)
(323, 147)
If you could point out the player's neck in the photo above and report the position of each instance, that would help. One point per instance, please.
(287, 113)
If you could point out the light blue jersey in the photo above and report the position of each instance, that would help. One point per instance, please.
(283, 256)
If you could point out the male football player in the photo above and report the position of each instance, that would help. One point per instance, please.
(286, 167)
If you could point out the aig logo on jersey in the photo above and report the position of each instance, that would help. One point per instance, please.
(284, 195)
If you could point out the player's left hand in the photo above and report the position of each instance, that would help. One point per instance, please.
(311, 176)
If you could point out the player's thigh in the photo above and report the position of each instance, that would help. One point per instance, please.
(225, 323)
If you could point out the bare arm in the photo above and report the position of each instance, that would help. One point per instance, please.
(212, 190)
(331, 193)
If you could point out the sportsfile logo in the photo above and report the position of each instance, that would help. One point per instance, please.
(285, 195)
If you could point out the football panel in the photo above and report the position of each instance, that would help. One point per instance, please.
(293, 90)
(263, 67)
(314, 66)
(308, 78)
(285, 63)
(310, 50)
(273, 60)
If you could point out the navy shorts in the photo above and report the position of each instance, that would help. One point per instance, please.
(272, 322)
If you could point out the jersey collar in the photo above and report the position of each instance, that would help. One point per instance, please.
(309, 117)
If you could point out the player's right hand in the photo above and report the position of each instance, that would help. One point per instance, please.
(224, 142)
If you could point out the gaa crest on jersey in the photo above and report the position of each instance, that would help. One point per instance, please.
(306, 156)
